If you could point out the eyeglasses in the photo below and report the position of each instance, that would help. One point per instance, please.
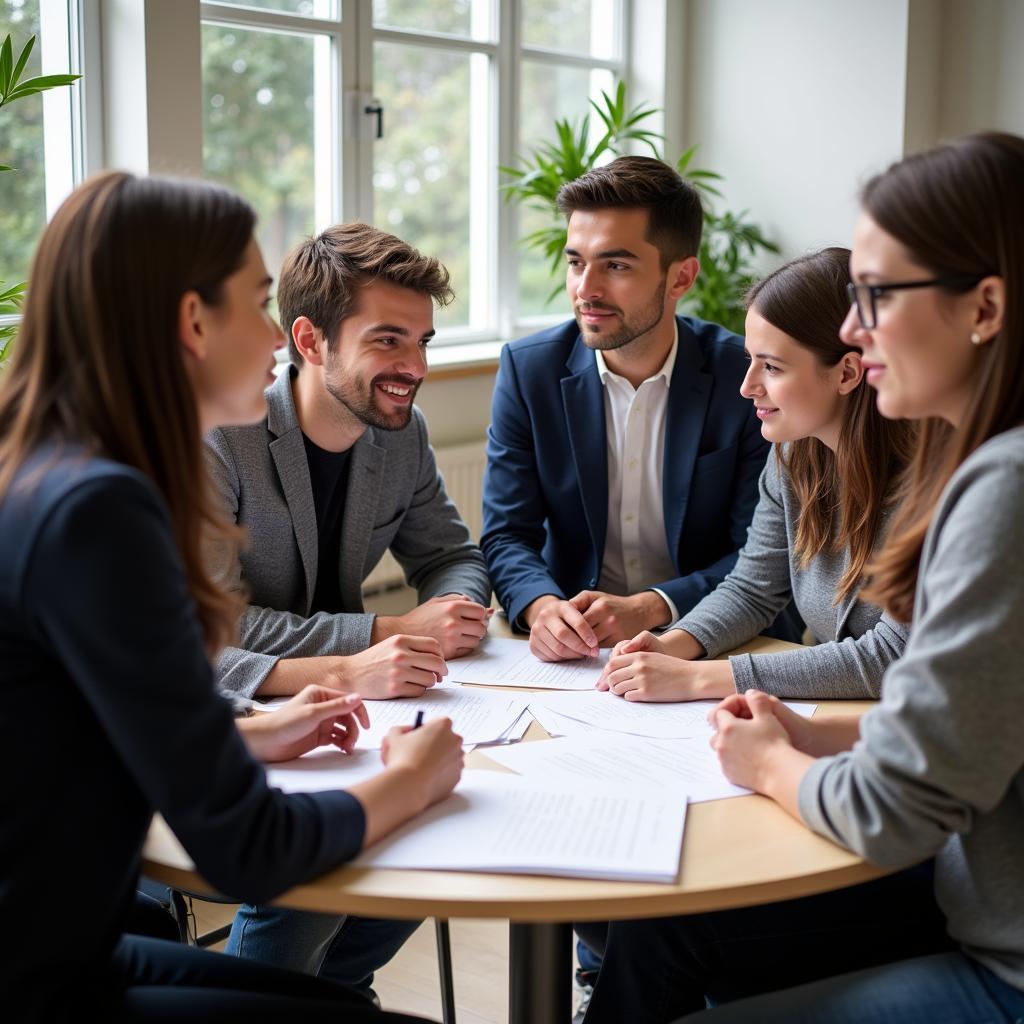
(863, 296)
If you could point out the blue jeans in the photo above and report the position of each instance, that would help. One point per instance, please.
(344, 949)
(949, 988)
(657, 970)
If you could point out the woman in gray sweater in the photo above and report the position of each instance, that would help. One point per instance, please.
(934, 775)
(937, 769)
(826, 494)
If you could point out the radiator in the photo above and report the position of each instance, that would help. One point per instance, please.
(462, 467)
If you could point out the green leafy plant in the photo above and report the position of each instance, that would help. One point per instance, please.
(13, 88)
(729, 244)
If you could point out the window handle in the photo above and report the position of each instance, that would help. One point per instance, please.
(376, 109)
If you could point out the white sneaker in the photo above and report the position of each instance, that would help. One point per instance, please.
(583, 994)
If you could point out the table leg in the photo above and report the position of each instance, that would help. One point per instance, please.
(540, 973)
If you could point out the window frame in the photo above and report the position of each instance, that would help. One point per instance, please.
(69, 42)
(345, 190)
(493, 222)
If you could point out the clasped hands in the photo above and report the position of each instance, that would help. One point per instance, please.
(566, 630)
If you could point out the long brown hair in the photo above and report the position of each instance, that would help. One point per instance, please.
(806, 299)
(98, 360)
(957, 209)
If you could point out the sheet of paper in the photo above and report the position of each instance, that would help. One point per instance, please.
(276, 703)
(502, 662)
(477, 716)
(575, 713)
(324, 768)
(498, 822)
(689, 764)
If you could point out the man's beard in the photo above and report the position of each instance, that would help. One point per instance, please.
(360, 398)
(643, 320)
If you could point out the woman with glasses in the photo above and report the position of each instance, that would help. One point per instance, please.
(939, 767)
(826, 495)
(936, 770)
(146, 324)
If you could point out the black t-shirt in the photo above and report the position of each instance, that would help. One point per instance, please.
(328, 473)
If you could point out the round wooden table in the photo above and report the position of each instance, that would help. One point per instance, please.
(737, 852)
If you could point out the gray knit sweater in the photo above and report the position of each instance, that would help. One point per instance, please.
(856, 642)
(939, 767)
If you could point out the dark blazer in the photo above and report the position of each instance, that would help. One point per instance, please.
(396, 500)
(546, 485)
(109, 714)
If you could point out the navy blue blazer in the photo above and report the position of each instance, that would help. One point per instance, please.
(108, 695)
(546, 484)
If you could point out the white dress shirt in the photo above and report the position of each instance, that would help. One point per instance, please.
(636, 551)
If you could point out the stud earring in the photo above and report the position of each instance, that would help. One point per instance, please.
(975, 338)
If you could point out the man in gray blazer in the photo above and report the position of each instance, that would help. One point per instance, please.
(339, 472)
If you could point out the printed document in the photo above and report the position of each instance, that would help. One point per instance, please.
(477, 716)
(567, 714)
(502, 662)
(646, 763)
(499, 822)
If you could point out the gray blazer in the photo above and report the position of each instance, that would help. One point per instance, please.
(855, 641)
(396, 499)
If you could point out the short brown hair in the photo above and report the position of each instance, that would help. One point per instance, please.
(675, 215)
(322, 275)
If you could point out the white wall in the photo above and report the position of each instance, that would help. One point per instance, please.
(794, 101)
(798, 101)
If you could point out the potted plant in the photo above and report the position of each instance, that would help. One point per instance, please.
(13, 88)
(729, 243)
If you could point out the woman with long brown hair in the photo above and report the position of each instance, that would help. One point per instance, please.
(146, 324)
(826, 494)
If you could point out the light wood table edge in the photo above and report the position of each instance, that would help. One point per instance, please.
(383, 892)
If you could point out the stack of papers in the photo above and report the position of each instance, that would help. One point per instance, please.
(499, 822)
(573, 714)
(501, 662)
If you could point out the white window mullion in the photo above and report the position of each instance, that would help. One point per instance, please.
(508, 147)
(62, 152)
(326, 132)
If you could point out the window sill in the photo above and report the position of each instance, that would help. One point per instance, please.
(472, 359)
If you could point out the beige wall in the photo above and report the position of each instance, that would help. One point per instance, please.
(457, 411)
(982, 80)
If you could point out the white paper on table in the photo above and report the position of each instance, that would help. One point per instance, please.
(276, 703)
(575, 713)
(649, 763)
(478, 717)
(502, 823)
(324, 768)
(499, 661)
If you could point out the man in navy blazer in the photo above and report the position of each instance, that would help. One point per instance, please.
(622, 461)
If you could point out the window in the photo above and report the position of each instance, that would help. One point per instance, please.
(400, 112)
(41, 136)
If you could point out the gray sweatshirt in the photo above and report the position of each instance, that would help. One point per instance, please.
(939, 766)
(856, 642)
